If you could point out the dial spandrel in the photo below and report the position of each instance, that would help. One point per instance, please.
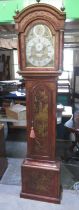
(40, 47)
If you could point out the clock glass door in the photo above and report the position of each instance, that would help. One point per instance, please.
(40, 44)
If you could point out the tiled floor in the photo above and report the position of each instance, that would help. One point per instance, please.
(10, 200)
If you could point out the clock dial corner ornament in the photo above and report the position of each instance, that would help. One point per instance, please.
(39, 48)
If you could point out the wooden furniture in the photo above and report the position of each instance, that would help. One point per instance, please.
(64, 90)
(4, 67)
(64, 83)
(73, 149)
(3, 159)
(75, 91)
(73, 123)
(40, 46)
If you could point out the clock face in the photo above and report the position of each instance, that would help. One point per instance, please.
(40, 47)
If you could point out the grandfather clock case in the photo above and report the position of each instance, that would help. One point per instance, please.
(40, 49)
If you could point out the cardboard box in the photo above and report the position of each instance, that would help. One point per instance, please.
(16, 111)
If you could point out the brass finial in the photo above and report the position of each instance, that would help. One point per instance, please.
(62, 9)
(17, 10)
(38, 1)
(62, 6)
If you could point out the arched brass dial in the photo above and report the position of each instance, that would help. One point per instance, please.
(39, 47)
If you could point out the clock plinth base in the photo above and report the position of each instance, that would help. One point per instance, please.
(41, 181)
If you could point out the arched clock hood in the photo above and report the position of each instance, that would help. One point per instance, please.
(47, 15)
(40, 11)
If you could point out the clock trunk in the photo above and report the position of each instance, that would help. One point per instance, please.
(41, 115)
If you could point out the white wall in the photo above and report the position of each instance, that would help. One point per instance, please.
(56, 3)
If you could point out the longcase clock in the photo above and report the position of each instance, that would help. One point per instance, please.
(40, 48)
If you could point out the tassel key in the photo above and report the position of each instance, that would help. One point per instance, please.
(32, 133)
